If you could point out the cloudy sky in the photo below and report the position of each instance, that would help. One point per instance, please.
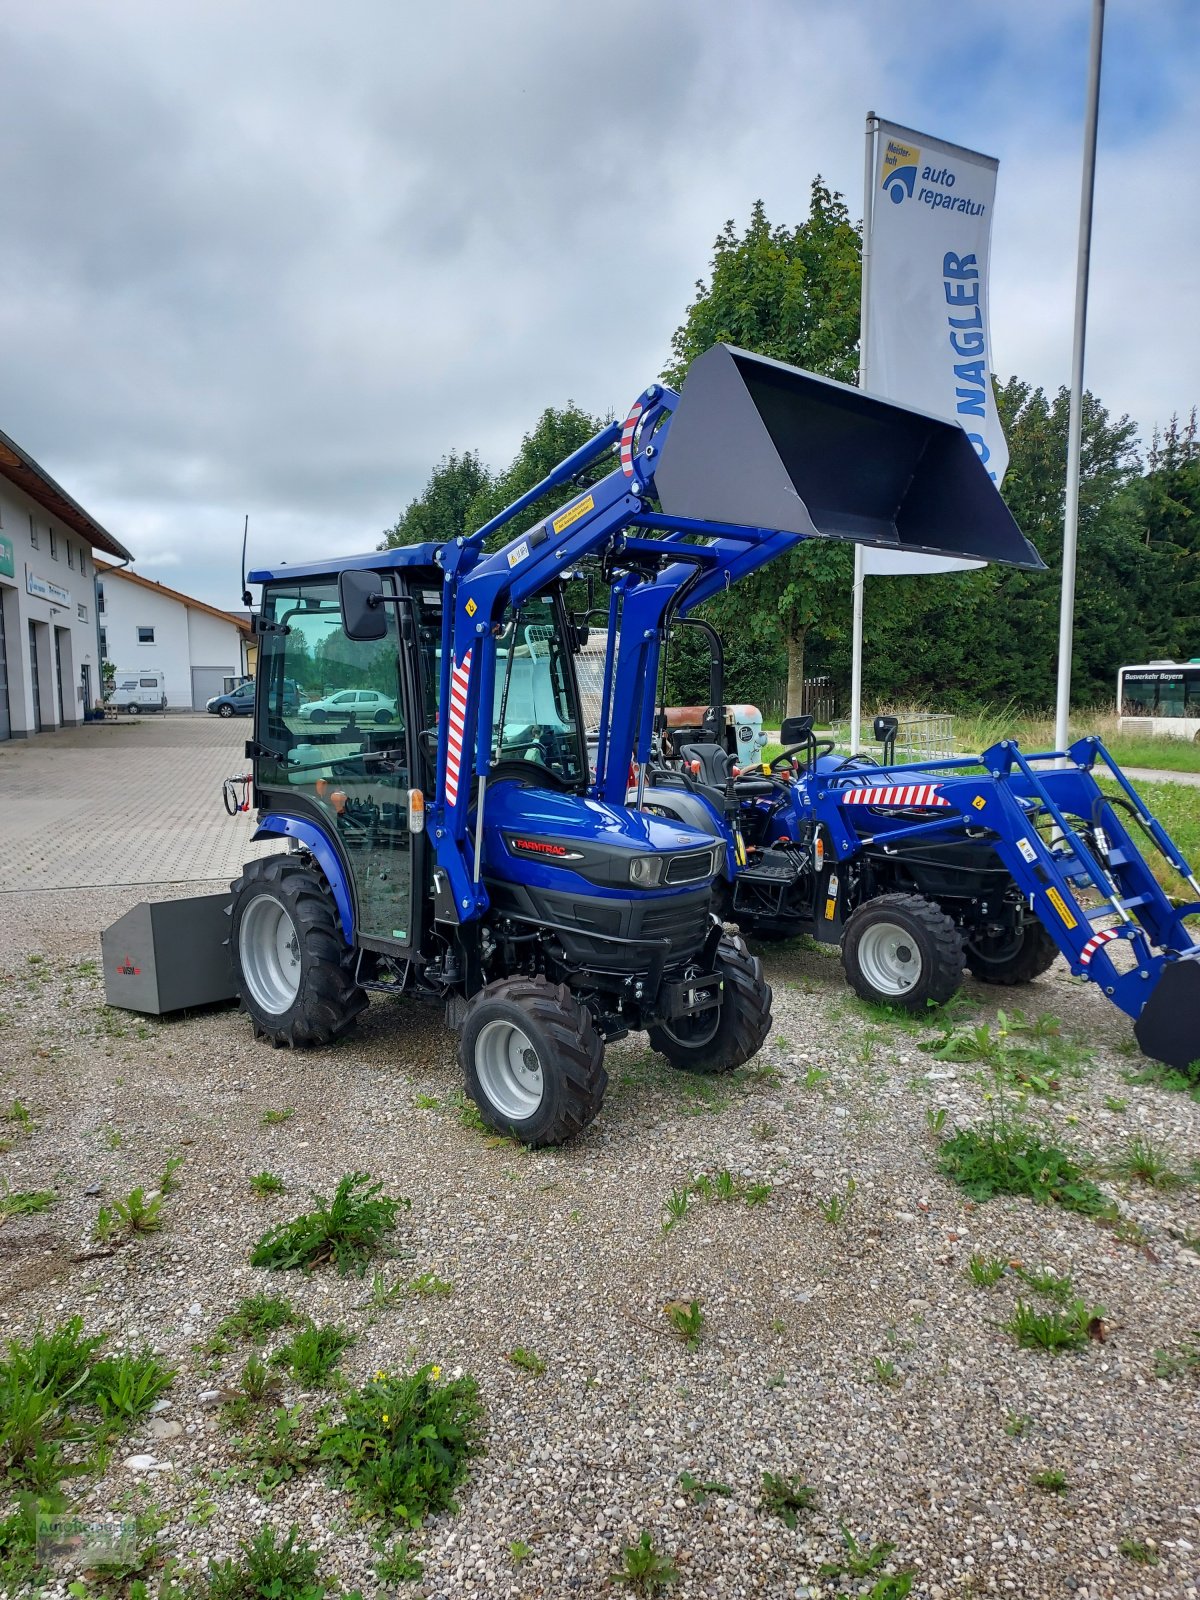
(279, 258)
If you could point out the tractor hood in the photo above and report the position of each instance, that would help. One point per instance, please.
(557, 841)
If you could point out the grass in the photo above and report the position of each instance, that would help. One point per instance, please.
(272, 1119)
(786, 1498)
(698, 1489)
(644, 1569)
(1181, 1362)
(1144, 1161)
(266, 1183)
(253, 1318)
(312, 1353)
(1043, 1281)
(1052, 1481)
(136, 1213)
(526, 1360)
(835, 1207)
(405, 1443)
(1138, 1550)
(1069, 1329)
(884, 1372)
(1011, 1158)
(687, 1318)
(857, 1561)
(399, 1565)
(984, 1271)
(264, 1565)
(347, 1230)
(279, 1450)
(125, 1387)
(428, 1286)
(25, 1203)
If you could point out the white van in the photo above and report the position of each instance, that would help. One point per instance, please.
(138, 692)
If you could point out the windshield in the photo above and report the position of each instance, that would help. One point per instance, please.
(535, 718)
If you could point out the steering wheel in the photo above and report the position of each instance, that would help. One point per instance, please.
(820, 747)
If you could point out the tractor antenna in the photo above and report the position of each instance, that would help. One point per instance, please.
(247, 599)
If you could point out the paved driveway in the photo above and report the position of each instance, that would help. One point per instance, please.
(134, 802)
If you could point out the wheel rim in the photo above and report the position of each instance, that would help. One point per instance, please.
(226, 711)
(508, 1070)
(889, 958)
(270, 955)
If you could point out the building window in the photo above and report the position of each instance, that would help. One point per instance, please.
(81, 612)
(145, 635)
(53, 545)
(104, 644)
(70, 555)
(99, 597)
(83, 562)
(33, 533)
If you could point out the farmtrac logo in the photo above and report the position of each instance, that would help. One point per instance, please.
(900, 163)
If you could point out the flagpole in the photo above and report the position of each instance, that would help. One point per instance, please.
(860, 569)
(1066, 623)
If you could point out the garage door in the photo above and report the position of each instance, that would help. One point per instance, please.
(206, 682)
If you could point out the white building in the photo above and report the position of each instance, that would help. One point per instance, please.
(145, 625)
(49, 651)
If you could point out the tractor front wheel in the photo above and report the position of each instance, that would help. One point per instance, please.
(532, 1060)
(1021, 959)
(902, 950)
(727, 1037)
(293, 969)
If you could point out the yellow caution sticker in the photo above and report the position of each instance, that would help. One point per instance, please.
(1061, 906)
(979, 802)
(739, 847)
(573, 513)
(470, 608)
(831, 891)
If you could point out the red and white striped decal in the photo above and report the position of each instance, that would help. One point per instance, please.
(1094, 943)
(457, 721)
(911, 794)
(627, 433)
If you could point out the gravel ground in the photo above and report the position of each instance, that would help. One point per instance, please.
(563, 1252)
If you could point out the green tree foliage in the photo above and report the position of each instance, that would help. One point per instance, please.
(440, 511)
(793, 294)
(555, 436)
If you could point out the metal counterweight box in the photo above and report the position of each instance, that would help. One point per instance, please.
(167, 955)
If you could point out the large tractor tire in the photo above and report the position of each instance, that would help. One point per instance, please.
(532, 1060)
(902, 950)
(720, 1040)
(1024, 958)
(293, 969)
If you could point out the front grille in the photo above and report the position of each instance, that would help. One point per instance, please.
(690, 868)
(684, 921)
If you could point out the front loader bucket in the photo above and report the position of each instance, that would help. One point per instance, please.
(760, 444)
(1168, 1028)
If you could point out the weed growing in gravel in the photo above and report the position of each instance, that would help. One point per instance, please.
(675, 1208)
(757, 1194)
(687, 1318)
(124, 1387)
(984, 1271)
(644, 1569)
(1016, 1423)
(892, 1586)
(935, 1121)
(1144, 1161)
(347, 1230)
(272, 1119)
(405, 1443)
(469, 1116)
(253, 1318)
(279, 1451)
(785, 1498)
(857, 1562)
(1137, 1550)
(25, 1203)
(835, 1207)
(168, 1183)
(1053, 1481)
(312, 1354)
(20, 1116)
(1112, 1103)
(382, 1294)
(1069, 1329)
(814, 1077)
(426, 1102)
(255, 1387)
(1042, 1281)
(526, 1360)
(136, 1213)
(1181, 1362)
(699, 1489)
(285, 1570)
(519, 1551)
(428, 1286)
(884, 1372)
(1010, 1157)
(266, 1183)
(399, 1565)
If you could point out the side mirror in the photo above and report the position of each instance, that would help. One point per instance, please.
(360, 595)
(885, 729)
(796, 730)
(581, 630)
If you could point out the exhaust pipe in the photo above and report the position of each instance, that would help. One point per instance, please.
(760, 444)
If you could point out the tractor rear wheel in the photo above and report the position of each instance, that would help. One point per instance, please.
(720, 1040)
(902, 950)
(532, 1060)
(292, 967)
(1022, 959)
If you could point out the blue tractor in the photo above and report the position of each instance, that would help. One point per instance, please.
(480, 848)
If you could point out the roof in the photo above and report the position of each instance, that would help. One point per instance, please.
(405, 555)
(242, 623)
(20, 468)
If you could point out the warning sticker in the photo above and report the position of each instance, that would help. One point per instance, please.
(470, 608)
(1027, 850)
(1061, 906)
(979, 802)
(573, 513)
(831, 897)
(519, 554)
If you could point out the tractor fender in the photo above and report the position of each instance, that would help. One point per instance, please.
(317, 842)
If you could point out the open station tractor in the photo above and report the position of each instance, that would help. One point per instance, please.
(467, 839)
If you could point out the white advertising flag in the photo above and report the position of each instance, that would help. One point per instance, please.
(926, 338)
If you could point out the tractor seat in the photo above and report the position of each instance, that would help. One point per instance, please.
(716, 765)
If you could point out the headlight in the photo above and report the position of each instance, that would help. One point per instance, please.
(645, 871)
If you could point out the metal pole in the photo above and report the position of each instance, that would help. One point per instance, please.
(1066, 624)
(860, 567)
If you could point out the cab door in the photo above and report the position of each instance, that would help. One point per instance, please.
(353, 775)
